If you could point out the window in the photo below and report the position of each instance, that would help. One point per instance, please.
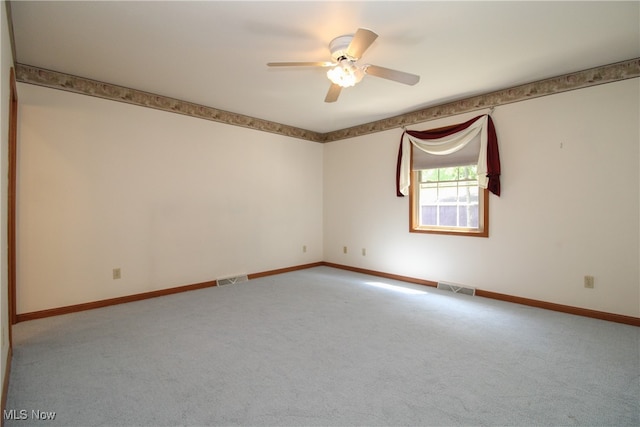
(448, 173)
(448, 200)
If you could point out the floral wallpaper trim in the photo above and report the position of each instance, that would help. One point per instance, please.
(81, 85)
(581, 79)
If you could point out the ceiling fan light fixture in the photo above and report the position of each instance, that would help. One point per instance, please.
(345, 74)
(346, 51)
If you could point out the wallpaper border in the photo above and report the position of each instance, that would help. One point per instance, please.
(581, 79)
(57, 80)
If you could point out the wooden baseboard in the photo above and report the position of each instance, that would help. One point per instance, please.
(5, 384)
(111, 301)
(602, 315)
(142, 296)
(285, 270)
(612, 317)
(381, 274)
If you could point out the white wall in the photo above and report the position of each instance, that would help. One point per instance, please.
(6, 62)
(174, 200)
(169, 199)
(569, 204)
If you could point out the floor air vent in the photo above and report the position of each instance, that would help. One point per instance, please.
(232, 280)
(458, 289)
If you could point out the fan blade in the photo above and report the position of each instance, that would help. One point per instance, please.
(361, 42)
(334, 92)
(300, 64)
(389, 74)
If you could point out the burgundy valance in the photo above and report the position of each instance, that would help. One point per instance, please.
(445, 141)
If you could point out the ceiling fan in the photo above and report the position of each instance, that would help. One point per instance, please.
(346, 51)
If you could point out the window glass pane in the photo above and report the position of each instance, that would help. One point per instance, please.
(429, 175)
(463, 214)
(448, 197)
(448, 193)
(429, 215)
(468, 172)
(448, 216)
(473, 172)
(428, 194)
(468, 193)
(448, 174)
(472, 216)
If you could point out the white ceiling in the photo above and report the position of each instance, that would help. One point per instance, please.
(214, 53)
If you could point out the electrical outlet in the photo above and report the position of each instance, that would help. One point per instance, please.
(304, 249)
(364, 252)
(117, 273)
(589, 282)
(344, 249)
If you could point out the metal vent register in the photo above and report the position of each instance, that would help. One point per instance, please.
(232, 280)
(458, 289)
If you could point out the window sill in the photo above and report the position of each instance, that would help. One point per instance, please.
(451, 231)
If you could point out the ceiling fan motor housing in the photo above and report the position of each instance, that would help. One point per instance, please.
(339, 47)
